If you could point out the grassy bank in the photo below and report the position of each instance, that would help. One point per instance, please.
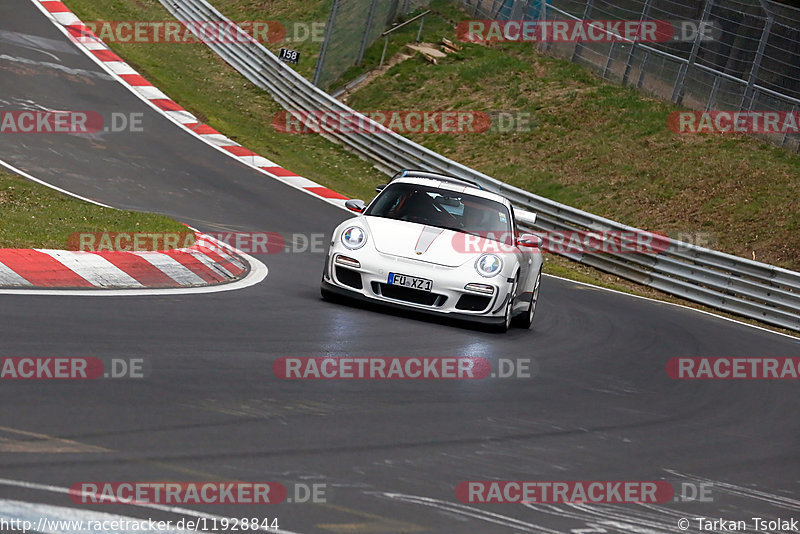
(35, 216)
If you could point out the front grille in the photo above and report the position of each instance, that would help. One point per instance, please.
(473, 302)
(348, 277)
(407, 294)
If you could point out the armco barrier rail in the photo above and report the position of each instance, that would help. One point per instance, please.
(740, 286)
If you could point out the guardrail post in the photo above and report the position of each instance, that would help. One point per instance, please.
(628, 64)
(367, 28)
(747, 99)
(680, 82)
(325, 42)
(587, 12)
(712, 97)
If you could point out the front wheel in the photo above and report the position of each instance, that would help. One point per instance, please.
(526, 319)
(507, 317)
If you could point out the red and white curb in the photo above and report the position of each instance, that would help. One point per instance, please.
(95, 48)
(207, 262)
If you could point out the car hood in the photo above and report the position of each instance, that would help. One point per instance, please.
(417, 241)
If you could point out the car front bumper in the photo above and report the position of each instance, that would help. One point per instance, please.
(445, 298)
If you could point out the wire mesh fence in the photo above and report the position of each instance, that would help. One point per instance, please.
(732, 55)
(352, 26)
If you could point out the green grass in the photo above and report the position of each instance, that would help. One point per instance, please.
(35, 216)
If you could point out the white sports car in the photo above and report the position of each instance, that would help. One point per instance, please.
(441, 245)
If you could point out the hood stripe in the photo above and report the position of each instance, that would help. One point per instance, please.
(426, 238)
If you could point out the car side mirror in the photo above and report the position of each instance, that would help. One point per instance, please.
(529, 241)
(355, 205)
(380, 188)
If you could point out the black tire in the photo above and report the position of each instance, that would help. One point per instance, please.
(327, 295)
(526, 319)
(503, 327)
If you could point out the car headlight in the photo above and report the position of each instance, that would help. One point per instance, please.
(488, 265)
(354, 237)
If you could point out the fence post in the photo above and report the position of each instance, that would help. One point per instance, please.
(628, 65)
(747, 99)
(608, 59)
(642, 70)
(495, 9)
(365, 38)
(517, 9)
(545, 46)
(712, 97)
(677, 93)
(324, 50)
(786, 133)
(587, 12)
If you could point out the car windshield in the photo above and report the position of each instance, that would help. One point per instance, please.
(444, 209)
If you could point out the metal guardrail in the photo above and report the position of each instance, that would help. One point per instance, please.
(748, 288)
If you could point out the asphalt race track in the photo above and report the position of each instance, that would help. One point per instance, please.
(599, 406)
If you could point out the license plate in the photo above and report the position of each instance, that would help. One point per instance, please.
(413, 282)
